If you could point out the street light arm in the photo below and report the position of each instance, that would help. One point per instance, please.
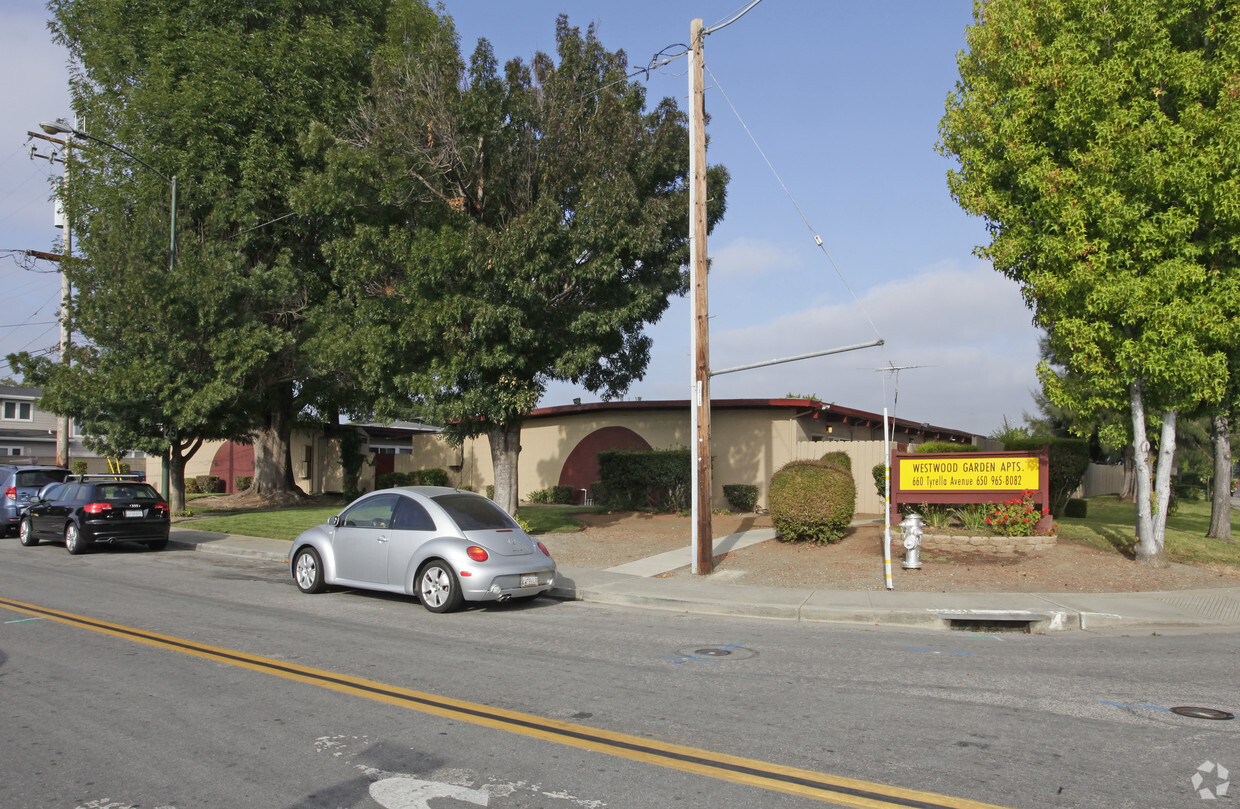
(61, 128)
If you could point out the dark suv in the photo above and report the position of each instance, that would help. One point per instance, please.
(90, 511)
(19, 487)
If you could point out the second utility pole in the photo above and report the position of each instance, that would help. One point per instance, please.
(703, 543)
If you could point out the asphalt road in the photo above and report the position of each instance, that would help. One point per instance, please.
(177, 679)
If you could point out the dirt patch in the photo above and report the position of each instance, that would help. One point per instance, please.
(856, 561)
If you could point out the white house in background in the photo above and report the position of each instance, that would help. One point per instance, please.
(28, 433)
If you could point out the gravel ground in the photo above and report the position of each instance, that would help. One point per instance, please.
(856, 561)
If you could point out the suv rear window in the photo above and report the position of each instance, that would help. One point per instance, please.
(38, 478)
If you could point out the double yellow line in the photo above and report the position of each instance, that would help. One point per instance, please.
(750, 772)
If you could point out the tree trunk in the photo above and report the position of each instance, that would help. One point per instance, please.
(273, 460)
(505, 449)
(1149, 548)
(178, 456)
(1220, 500)
(1129, 490)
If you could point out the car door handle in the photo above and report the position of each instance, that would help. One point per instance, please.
(383, 539)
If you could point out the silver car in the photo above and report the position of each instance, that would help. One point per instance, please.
(444, 546)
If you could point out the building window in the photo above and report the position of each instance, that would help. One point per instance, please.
(12, 450)
(17, 411)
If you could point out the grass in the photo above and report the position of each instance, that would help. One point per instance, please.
(554, 519)
(284, 523)
(288, 523)
(1110, 524)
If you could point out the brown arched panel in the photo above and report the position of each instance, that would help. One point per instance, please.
(231, 460)
(581, 467)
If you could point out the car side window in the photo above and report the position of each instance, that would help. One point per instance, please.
(410, 516)
(373, 512)
(68, 493)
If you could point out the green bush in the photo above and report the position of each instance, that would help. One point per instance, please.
(420, 477)
(1076, 508)
(210, 484)
(490, 492)
(1069, 460)
(539, 497)
(812, 501)
(79, 467)
(742, 497)
(191, 486)
(242, 482)
(562, 495)
(880, 479)
(636, 479)
(945, 446)
(840, 458)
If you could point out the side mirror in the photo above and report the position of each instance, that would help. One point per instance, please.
(333, 519)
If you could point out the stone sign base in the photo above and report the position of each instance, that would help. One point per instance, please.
(953, 543)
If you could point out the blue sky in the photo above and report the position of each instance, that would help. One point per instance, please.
(843, 99)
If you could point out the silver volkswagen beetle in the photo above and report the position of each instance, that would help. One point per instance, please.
(445, 546)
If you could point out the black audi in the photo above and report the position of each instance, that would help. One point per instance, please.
(85, 513)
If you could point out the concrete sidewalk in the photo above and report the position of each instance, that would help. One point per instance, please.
(635, 585)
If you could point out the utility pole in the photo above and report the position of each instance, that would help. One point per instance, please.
(61, 220)
(703, 542)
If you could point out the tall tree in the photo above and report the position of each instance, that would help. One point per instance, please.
(1221, 440)
(216, 94)
(1101, 142)
(511, 228)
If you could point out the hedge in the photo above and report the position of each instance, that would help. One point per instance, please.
(420, 477)
(742, 497)
(637, 479)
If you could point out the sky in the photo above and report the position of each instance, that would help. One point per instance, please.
(826, 115)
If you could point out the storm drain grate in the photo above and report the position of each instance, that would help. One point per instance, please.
(990, 624)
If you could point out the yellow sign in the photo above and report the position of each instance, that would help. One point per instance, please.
(969, 472)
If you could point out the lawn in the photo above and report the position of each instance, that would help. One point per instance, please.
(1110, 524)
(288, 523)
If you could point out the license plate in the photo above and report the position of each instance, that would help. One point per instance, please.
(133, 512)
(529, 579)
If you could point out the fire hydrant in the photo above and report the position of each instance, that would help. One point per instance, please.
(911, 526)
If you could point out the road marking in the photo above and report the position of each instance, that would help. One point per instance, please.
(750, 772)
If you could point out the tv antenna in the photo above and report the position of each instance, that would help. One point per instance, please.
(893, 370)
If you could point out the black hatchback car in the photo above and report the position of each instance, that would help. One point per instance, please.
(85, 513)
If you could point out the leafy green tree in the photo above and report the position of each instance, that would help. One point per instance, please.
(215, 94)
(1101, 142)
(510, 228)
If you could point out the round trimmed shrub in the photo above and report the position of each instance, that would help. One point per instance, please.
(812, 501)
(838, 458)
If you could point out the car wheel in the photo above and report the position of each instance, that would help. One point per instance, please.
(308, 571)
(438, 589)
(157, 545)
(74, 543)
(26, 534)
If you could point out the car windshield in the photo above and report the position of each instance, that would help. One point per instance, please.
(126, 491)
(473, 513)
(37, 478)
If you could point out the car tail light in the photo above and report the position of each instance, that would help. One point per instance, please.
(11, 492)
(161, 506)
(477, 554)
(96, 508)
(543, 548)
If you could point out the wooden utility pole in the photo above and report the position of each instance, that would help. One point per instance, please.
(703, 543)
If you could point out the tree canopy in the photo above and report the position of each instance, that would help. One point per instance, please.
(1101, 143)
(216, 95)
(509, 228)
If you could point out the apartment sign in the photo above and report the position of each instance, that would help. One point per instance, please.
(970, 472)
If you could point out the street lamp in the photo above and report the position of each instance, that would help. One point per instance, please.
(63, 128)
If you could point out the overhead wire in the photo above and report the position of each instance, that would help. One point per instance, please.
(795, 204)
